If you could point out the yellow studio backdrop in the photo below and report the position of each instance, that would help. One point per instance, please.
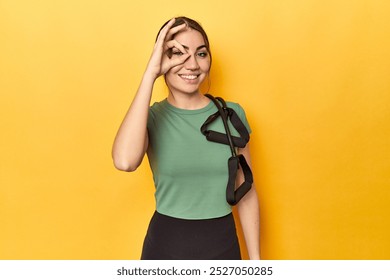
(313, 77)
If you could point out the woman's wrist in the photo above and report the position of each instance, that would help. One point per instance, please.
(149, 77)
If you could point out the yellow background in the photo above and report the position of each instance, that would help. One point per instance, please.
(313, 77)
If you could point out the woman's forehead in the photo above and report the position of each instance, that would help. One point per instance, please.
(190, 38)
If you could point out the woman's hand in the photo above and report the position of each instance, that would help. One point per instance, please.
(161, 61)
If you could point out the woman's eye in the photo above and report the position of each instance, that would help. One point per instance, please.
(202, 54)
(177, 53)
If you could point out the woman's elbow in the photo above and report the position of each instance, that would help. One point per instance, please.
(124, 165)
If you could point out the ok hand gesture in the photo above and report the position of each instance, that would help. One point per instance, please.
(161, 61)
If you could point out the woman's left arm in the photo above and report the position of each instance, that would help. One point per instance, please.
(248, 211)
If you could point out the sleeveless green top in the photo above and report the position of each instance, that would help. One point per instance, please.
(190, 173)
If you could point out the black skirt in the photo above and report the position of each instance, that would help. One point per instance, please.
(171, 238)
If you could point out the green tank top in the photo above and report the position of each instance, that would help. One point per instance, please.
(190, 173)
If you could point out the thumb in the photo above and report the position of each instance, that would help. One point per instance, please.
(179, 60)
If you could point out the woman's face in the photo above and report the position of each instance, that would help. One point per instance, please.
(188, 77)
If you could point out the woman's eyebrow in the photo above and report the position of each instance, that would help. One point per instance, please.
(198, 48)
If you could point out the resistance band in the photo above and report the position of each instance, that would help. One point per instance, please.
(233, 195)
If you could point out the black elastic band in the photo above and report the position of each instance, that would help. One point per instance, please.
(233, 196)
(218, 137)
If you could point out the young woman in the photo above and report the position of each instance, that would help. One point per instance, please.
(192, 219)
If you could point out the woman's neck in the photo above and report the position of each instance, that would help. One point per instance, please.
(188, 101)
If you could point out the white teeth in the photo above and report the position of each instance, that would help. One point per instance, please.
(189, 77)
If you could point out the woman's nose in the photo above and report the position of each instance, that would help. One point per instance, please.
(191, 63)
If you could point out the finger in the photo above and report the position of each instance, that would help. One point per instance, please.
(174, 44)
(180, 60)
(163, 32)
(174, 30)
(175, 62)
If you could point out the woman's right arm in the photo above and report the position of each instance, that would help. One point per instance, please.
(131, 141)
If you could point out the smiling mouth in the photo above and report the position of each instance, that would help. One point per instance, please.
(189, 77)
